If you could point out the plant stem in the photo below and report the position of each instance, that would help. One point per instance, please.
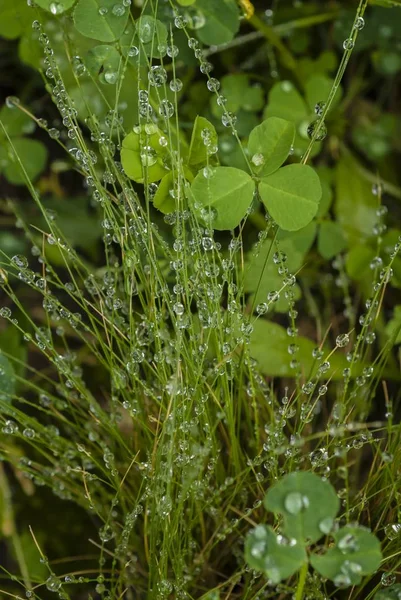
(301, 582)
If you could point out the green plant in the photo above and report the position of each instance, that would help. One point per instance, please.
(308, 506)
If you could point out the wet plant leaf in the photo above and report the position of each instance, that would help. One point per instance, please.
(291, 195)
(272, 554)
(269, 145)
(222, 21)
(103, 20)
(33, 156)
(7, 378)
(330, 239)
(56, 7)
(307, 503)
(142, 155)
(356, 554)
(228, 192)
(202, 131)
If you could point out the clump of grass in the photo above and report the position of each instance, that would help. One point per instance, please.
(141, 402)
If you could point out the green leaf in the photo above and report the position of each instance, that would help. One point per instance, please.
(142, 156)
(107, 27)
(318, 88)
(270, 144)
(163, 200)
(56, 7)
(229, 192)
(355, 206)
(291, 195)
(33, 156)
(198, 148)
(330, 240)
(286, 102)
(393, 328)
(391, 593)
(103, 62)
(356, 553)
(357, 263)
(7, 378)
(15, 18)
(152, 33)
(253, 98)
(15, 122)
(222, 21)
(272, 554)
(269, 346)
(307, 503)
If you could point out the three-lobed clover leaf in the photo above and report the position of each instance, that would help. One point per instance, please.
(356, 553)
(276, 556)
(103, 20)
(269, 145)
(308, 505)
(143, 156)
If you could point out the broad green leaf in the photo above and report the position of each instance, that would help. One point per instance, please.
(355, 206)
(56, 7)
(307, 503)
(330, 239)
(393, 328)
(221, 21)
(291, 195)
(202, 132)
(151, 34)
(15, 18)
(142, 155)
(318, 88)
(357, 262)
(103, 20)
(33, 156)
(269, 145)
(103, 62)
(7, 378)
(269, 346)
(286, 102)
(356, 554)
(391, 593)
(15, 122)
(261, 275)
(232, 88)
(253, 98)
(163, 199)
(268, 553)
(228, 192)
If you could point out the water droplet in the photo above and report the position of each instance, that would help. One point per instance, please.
(118, 10)
(295, 502)
(20, 261)
(387, 579)
(326, 525)
(103, 11)
(166, 109)
(176, 85)
(342, 340)
(157, 76)
(258, 159)
(348, 543)
(12, 101)
(53, 583)
(348, 44)
(320, 128)
(213, 84)
(56, 8)
(393, 531)
(229, 119)
(180, 22)
(148, 156)
(359, 23)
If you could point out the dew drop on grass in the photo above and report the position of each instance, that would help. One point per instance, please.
(213, 84)
(359, 23)
(348, 44)
(393, 531)
(12, 101)
(176, 85)
(319, 108)
(133, 51)
(20, 261)
(320, 128)
(157, 76)
(53, 583)
(118, 10)
(388, 579)
(229, 119)
(180, 22)
(342, 340)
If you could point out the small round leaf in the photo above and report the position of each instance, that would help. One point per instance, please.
(269, 145)
(356, 553)
(292, 195)
(225, 190)
(275, 556)
(307, 503)
(103, 20)
(142, 156)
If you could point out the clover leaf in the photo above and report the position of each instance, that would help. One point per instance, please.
(308, 505)
(103, 20)
(226, 192)
(203, 137)
(356, 553)
(143, 156)
(276, 556)
(269, 145)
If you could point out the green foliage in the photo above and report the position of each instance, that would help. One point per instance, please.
(143, 156)
(203, 130)
(22, 154)
(269, 145)
(221, 21)
(103, 62)
(7, 378)
(226, 194)
(102, 20)
(391, 593)
(308, 505)
(291, 195)
(57, 7)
